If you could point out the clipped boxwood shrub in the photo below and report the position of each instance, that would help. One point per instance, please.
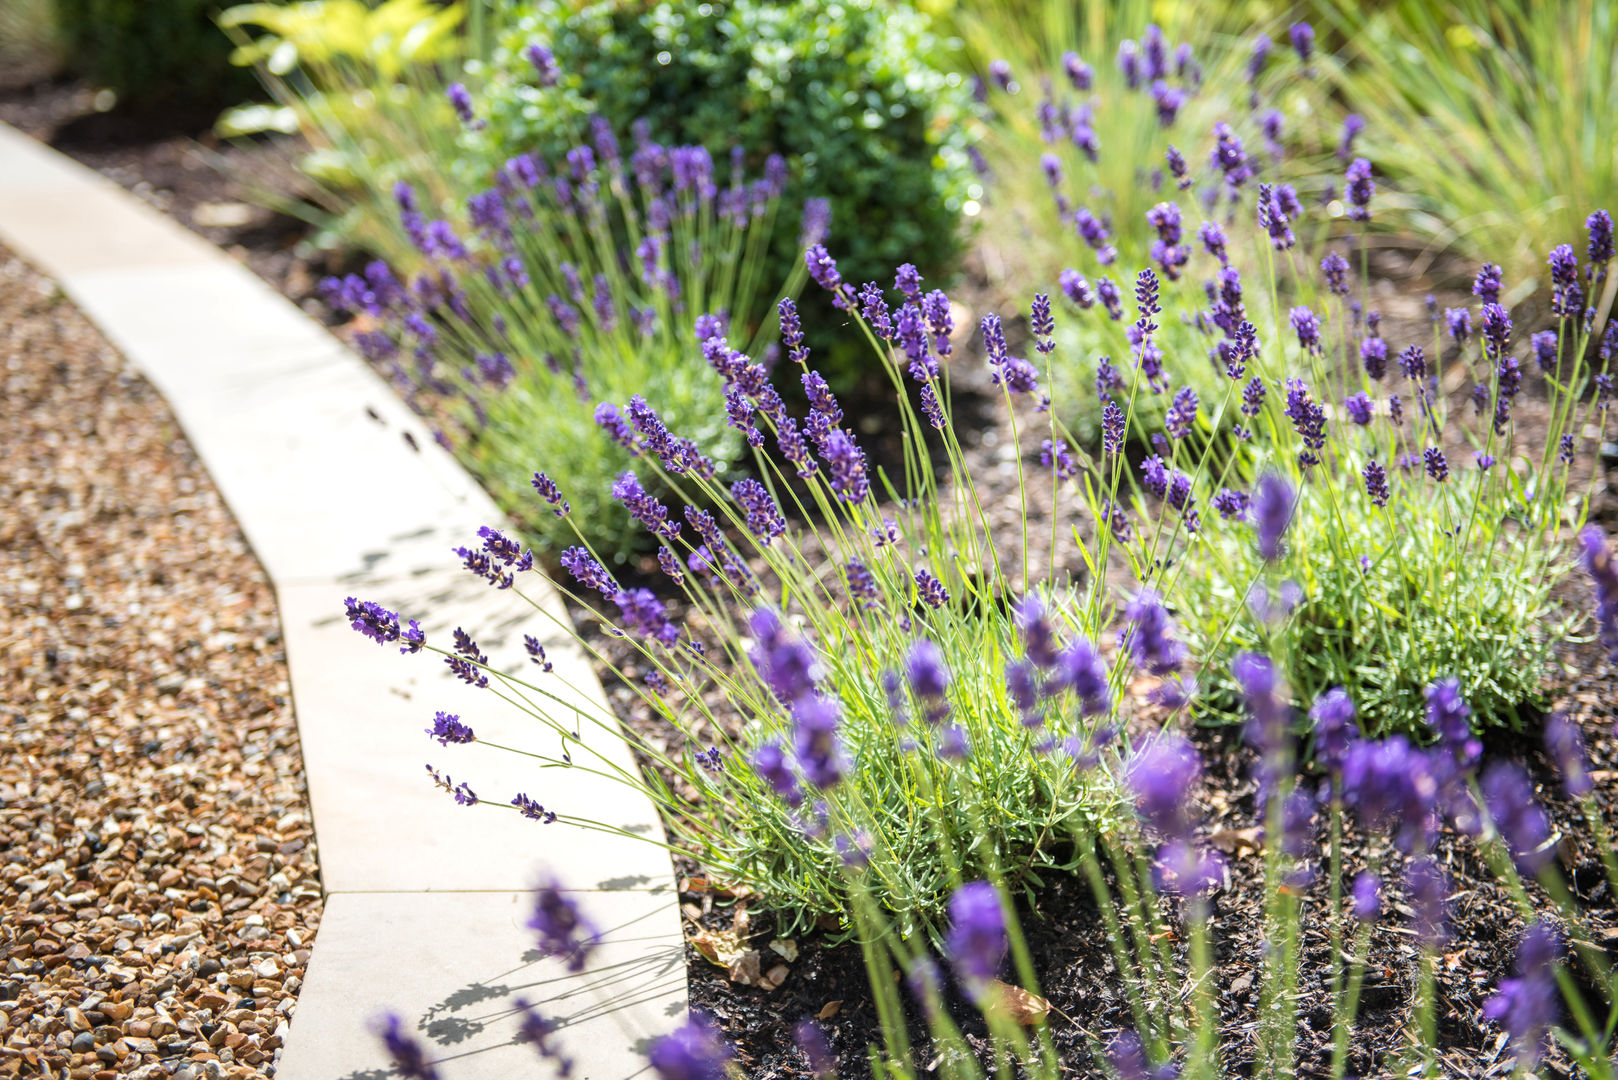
(166, 54)
(847, 90)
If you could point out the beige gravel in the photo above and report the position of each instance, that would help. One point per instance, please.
(159, 890)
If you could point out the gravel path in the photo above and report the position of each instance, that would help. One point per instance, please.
(158, 884)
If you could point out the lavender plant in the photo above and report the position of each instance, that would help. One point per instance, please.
(563, 287)
(1135, 141)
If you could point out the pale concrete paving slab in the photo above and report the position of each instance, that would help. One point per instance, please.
(309, 449)
(450, 966)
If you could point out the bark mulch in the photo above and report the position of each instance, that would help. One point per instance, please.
(159, 890)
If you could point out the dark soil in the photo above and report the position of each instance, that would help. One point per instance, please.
(179, 171)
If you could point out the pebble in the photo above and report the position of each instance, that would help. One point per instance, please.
(154, 825)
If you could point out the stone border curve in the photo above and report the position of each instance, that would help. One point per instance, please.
(341, 491)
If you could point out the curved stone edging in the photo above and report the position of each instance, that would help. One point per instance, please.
(425, 899)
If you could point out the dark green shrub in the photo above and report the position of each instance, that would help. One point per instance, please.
(847, 91)
(153, 53)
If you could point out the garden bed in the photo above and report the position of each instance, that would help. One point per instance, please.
(1076, 968)
(160, 886)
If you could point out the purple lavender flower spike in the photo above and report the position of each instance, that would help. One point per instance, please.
(823, 270)
(1429, 894)
(1353, 125)
(770, 762)
(1360, 189)
(447, 728)
(930, 590)
(1160, 774)
(1600, 250)
(1509, 795)
(544, 62)
(1389, 782)
(407, 1055)
(1302, 36)
(1182, 414)
(1147, 634)
(693, 1051)
(461, 100)
(1450, 717)
(1565, 745)
(531, 810)
(1307, 325)
(1436, 464)
(1308, 419)
(1367, 893)
(976, 942)
(562, 928)
(1080, 74)
(1080, 668)
(819, 752)
(1527, 1005)
(373, 620)
(845, 464)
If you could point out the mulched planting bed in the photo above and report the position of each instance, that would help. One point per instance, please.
(1075, 966)
(159, 890)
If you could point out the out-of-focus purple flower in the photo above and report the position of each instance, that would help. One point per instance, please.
(1110, 298)
(1360, 189)
(1527, 1006)
(1080, 668)
(1185, 868)
(461, 100)
(820, 754)
(1160, 774)
(1147, 636)
(1058, 456)
(1367, 892)
(976, 942)
(562, 928)
(407, 1055)
(1565, 745)
(1450, 717)
(1302, 36)
(1353, 124)
(544, 62)
(1428, 889)
(1389, 782)
(1509, 795)
(1335, 727)
(1269, 716)
(1459, 321)
(816, 1050)
(1000, 72)
(1080, 74)
(1358, 407)
(788, 665)
(1273, 503)
(1076, 289)
(692, 1051)
(770, 762)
